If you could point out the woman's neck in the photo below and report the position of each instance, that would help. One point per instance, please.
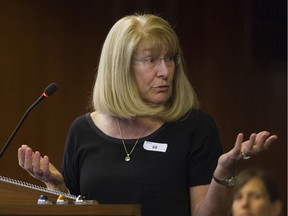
(130, 128)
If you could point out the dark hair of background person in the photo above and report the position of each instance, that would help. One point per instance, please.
(247, 174)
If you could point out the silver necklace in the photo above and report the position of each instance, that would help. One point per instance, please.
(127, 158)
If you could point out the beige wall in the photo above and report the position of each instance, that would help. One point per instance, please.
(237, 71)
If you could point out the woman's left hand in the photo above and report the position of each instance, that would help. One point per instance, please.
(229, 162)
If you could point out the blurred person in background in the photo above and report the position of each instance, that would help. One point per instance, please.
(256, 194)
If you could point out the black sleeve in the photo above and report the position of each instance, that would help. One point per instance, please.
(205, 151)
(69, 171)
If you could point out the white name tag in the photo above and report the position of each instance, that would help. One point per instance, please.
(152, 146)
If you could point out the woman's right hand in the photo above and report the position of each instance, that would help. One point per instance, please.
(40, 168)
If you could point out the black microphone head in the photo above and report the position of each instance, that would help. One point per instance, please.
(49, 90)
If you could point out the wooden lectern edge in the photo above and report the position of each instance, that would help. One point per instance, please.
(71, 210)
(16, 200)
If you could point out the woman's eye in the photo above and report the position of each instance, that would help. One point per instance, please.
(170, 58)
(150, 60)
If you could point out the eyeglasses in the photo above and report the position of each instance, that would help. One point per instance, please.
(151, 62)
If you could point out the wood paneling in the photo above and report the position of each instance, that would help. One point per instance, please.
(52, 41)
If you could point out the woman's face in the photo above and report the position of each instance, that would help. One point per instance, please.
(153, 75)
(252, 200)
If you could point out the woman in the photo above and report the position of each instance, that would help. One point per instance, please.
(146, 142)
(256, 194)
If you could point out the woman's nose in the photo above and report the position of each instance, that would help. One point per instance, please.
(162, 69)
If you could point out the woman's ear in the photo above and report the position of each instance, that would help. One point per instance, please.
(276, 208)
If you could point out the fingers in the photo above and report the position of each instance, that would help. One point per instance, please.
(237, 148)
(36, 164)
(46, 168)
(239, 141)
(256, 143)
(21, 155)
(269, 141)
(247, 147)
(32, 162)
(243, 150)
(39, 167)
(244, 147)
(25, 156)
(28, 160)
(263, 141)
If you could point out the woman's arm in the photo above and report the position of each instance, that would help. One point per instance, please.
(216, 199)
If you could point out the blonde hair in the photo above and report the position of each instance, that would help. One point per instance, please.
(115, 91)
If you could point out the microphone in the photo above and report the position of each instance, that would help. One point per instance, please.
(48, 91)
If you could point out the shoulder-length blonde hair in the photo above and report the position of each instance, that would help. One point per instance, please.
(115, 91)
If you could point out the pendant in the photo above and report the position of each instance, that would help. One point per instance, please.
(127, 158)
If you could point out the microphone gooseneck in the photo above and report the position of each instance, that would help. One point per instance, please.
(48, 91)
